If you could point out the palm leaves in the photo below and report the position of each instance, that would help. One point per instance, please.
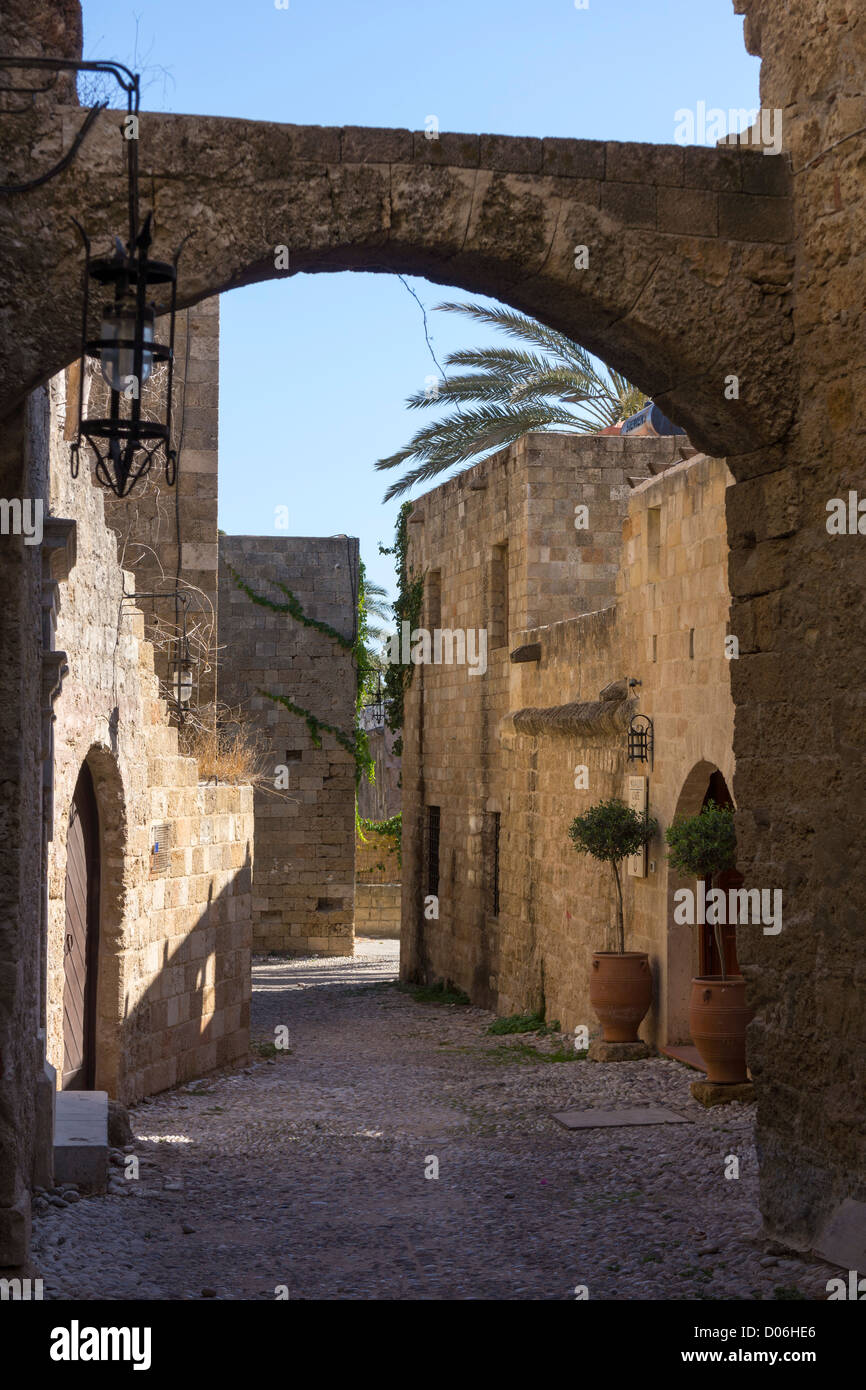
(502, 393)
(377, 606)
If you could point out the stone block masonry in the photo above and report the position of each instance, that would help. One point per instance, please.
(172, 970)
(154, 520)
(495, 769)
(377, 886)
(304, 874)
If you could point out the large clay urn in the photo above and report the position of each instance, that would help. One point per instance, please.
(718, 1016)
(620, 992)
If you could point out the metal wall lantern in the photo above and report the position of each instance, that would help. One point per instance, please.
(640, 740)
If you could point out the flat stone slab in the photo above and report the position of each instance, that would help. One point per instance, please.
(604, 1119)
(81, 1139)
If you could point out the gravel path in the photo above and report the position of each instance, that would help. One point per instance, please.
(303, 1174)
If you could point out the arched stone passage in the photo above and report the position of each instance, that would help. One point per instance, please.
(687, 267)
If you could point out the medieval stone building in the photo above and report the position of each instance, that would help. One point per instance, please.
(705, 264)
(597, 566)
(282, 673)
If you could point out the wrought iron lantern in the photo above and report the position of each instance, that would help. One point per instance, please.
(125, 440)
(640, 740)
(183, 667)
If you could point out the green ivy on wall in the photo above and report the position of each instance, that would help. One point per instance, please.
(406, 608)
(356, 743)
(390, 829)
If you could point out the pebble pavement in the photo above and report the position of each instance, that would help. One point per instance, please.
(304, 1175)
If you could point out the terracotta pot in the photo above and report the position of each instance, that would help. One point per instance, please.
(718, 1016)
(620, 991)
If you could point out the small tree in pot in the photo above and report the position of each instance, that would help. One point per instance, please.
(620, 983)
(611, 831)
(704, 846)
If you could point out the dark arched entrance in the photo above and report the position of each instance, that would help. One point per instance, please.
(692, 949)
(81, 937)
(710, 964)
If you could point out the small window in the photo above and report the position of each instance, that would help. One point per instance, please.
(653, 542)
(499, 615)
(691, 644)
(433, 851)
(655, 647)
(329, 905)
(294, 755)
(433, 593)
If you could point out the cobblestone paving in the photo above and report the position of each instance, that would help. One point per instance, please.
(306, 1169)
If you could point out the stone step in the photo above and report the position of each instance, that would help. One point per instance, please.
(81, 1139)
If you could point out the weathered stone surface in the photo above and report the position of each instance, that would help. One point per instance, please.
(119, 1129)
(81, 1140)
(622, 595)
(304, 871)
(361, 199)
(710, 1093)
(601, 1051)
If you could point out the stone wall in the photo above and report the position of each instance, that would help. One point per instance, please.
(377, 886)
(510, 761)
(174, 955)
(380, 799)
(147, 522)
(503, 542)
(303, 880)
(799, 595)
(28, 678)
(377, 909)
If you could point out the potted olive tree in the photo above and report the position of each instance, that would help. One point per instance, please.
(703, 847)
(620, 989)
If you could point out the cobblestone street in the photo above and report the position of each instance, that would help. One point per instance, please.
(306, 1169)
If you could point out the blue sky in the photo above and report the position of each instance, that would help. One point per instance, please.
(343, 351)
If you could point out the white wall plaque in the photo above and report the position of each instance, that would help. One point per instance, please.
(637, 800)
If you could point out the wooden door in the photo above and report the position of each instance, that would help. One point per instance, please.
(710, 963)
(81, 938)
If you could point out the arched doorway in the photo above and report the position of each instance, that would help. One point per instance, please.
(709, 963)
(692, 950)
(81, 937)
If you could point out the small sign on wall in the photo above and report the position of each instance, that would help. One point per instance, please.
(638, 793)
(160, 848)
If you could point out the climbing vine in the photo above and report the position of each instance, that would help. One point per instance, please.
(356, 743)
(406, 608)
(390, 829)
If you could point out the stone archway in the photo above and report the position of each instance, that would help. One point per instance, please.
(674, 239)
